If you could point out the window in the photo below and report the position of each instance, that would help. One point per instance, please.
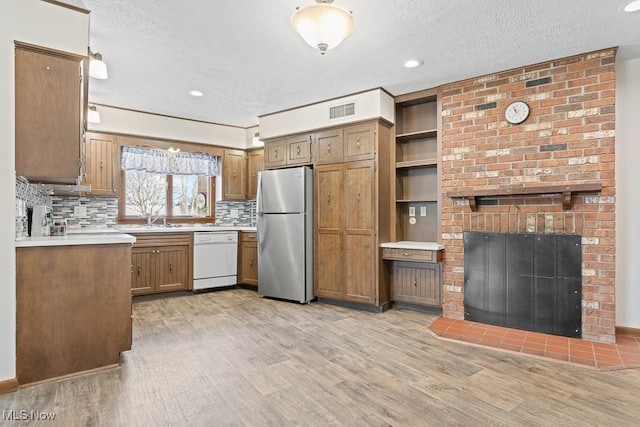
(178, 186)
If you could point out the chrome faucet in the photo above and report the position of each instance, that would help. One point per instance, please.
(151, 220)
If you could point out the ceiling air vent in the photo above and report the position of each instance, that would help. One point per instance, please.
(342, 110)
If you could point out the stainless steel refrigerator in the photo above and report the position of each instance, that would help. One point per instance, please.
(285, 234)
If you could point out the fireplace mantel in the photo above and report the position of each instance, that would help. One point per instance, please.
(566, 190)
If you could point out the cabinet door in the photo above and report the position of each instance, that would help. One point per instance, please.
(329, 147)
(234, 174)
(360, 142)
(48, 91)
(249, 263)
(142, 275)
(101, 164)
(255, 165)
(360, 249)
(299, 150)
(171, 266)
(275, 153)
(329, 204)
(417, 283)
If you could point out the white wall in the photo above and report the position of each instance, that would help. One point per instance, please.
(44, 24)
(628, 195)
(369, 105)
(137, 123)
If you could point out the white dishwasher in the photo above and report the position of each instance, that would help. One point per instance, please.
(215, 259)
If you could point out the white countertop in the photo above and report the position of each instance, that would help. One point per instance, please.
(138, 229)
(427, 246)
(75, 239)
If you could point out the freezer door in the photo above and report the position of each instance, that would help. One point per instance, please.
(282, 191)
(282, 257)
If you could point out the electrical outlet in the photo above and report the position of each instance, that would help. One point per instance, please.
(80, 211)
(235, 213)
(412, 211)
(423, 211)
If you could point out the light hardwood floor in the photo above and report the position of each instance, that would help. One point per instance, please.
(233, 358)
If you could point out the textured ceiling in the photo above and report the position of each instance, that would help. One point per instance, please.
(247, 59)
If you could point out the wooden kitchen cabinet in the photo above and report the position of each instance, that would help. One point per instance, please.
(234, 175)
(294, 150)
(50, 103)
(102, 164)
(417, 283)
(352, 200)
(248, 259)
(161, 263)
(255, 164)
(73, 309)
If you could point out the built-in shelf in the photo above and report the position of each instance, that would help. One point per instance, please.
(429, 133)
(416, 163)
(566, 190)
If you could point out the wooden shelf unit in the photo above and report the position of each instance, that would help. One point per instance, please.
(418, 174)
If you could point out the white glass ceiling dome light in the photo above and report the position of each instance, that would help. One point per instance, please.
(633, 6)
(97, 67)
(93, 116)
(323, 25)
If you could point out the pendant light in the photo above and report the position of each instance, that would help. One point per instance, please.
(323, 25)
(97, 67)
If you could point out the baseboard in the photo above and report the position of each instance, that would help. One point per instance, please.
(8, 386)
(356, 305)
(624, 330)
(417, 307)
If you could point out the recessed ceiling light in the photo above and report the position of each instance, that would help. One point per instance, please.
(632, 6)
(413, 63)
(196, 93)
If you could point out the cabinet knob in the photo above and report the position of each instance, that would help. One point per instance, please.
(275, 153)
(298, 150)
(170, 267)
(235, 173)
(138, 270)
(415, 281)
(328, 147)
(101, 165)
(251, 262)
(358, 144)
(405, 253)
(329, 199)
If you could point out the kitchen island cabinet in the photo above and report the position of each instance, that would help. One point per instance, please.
(161, 263)
(50, 105)
(73, 308)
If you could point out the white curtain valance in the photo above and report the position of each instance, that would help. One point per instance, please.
(165, 162)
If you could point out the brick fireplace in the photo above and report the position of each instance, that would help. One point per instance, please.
(567, 142)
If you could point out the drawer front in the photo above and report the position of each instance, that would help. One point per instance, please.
(248, 236)
(417, 255)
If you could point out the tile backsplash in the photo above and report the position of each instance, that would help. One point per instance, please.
(235, 213)
(86, 211)
(31, 194)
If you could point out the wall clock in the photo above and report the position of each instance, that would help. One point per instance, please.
(516, 112)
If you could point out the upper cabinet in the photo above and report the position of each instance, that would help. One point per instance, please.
(294, 150)
(50, 105)
(255, 164)
(418, 172)
(234, 175)
(101, 164)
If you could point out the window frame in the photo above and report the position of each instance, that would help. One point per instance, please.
(210, 218)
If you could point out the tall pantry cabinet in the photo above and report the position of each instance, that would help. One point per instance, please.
(352, 201)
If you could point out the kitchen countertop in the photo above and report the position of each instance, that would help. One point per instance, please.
(75, 239)
(118, 234)
(427, 246)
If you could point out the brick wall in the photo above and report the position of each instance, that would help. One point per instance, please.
(567, 138)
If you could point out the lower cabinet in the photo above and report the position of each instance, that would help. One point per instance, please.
(161, 263)
(416, 283)
(248, 259)
(416, 276)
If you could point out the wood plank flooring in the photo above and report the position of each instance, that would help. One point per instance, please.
(233, 358)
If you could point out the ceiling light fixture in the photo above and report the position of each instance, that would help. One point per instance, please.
(93, 116)
(632, 6)
(173, 150)
(196, 93)
(413, 63)
(97, 67)
(323, 25)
